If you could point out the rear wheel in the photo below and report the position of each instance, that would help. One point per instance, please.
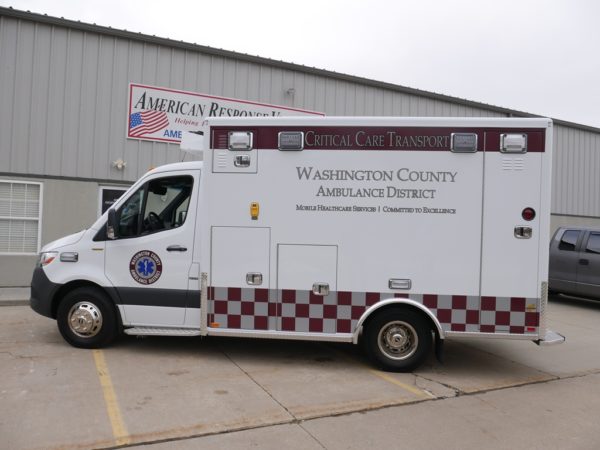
(398, 340)
(86, 318)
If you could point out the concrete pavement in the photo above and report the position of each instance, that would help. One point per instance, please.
(560, 414)
(180, 393)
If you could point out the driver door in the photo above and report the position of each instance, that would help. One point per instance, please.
(149, 261)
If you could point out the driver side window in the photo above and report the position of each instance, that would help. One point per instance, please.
(160, 204)
(129, 214)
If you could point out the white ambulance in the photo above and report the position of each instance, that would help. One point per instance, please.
(394, 232)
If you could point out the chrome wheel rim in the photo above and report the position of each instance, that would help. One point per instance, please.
(85, 319)
(398, 340)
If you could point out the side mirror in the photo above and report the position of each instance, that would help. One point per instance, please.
(111, 224)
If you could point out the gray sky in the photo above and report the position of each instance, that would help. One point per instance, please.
(537, 56)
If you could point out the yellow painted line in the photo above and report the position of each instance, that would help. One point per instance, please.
(110, 398)
(408, 387)
(384, 375)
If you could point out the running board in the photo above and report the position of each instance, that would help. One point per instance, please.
(154, 331)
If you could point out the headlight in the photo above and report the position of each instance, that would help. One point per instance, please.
(46, 258)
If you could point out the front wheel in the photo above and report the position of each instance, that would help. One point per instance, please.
(398, 340)
(86, 318)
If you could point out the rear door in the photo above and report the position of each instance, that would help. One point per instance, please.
(588, 266)
(510, 283)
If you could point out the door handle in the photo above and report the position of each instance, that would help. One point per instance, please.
(176, 248)
(523, 232)
(321, 289)
(584, 262)
(254, 278)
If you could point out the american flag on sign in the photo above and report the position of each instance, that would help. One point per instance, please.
(147, 122)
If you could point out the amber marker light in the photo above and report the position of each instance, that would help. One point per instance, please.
(254, 209)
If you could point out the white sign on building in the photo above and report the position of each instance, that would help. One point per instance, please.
(162, 114)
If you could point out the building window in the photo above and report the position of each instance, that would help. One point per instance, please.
(108, 196)
(20, 217)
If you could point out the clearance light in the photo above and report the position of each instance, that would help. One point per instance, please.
(291, 140)
(240, 140)
(513, 143)
(528, 214)
(215, 324)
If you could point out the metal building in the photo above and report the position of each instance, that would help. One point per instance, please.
(64, 120)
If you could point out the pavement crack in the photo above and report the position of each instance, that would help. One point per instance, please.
(264, 389)
(577, 375)
(456, 390)
(300, 424)
(12, 355)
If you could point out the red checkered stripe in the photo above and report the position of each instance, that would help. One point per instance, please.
(339, 312)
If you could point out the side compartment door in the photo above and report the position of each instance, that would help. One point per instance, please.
(239, 295)
(149, 262)
(588, 266)
(307, 283)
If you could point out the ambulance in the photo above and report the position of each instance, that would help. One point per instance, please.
(392, 233)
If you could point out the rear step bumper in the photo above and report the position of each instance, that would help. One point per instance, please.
(551, 338)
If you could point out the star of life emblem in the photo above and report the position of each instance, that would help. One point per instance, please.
(145, 267)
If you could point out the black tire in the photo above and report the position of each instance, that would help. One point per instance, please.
(86, 318)
(398, 340)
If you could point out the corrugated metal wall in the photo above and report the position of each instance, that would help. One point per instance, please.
(63, 105)
(576, 172)
(63, 97)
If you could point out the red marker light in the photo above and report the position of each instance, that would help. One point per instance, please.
(528, 214)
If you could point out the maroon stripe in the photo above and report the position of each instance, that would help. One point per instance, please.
(517, 304)
(261, 295)
(344, 298)
(430, 300)
(459, 302)
(532, 319)
(472, 316)
(234, 293)
(488, 303)
(230, 309)
(380, 138)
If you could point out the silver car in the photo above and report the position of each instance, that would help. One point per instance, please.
(575, 262)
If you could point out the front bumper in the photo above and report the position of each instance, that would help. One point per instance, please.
(42, 293)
